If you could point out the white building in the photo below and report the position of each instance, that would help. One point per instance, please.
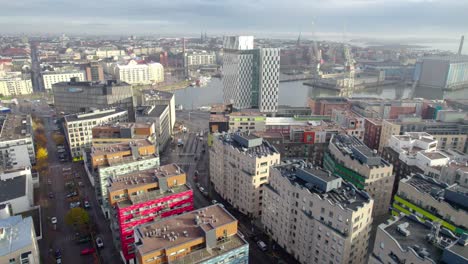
(316, 216)
(52, 77)
(200, 58)
(135, 73)
(250, 76)
(78, 127)
(16, 142)
(18, 244)
(13, 84)
(107, 53)
(239, 167)
(16, 189)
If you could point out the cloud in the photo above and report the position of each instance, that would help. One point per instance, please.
(358, 17)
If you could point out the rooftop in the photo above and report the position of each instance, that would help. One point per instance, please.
(76, 83)
(95, 114)
(157, 95)
(15, 234)
(153, 110)
(414, 235)
(12, 188)
(219, 118)
(180, 229)
(338, 191)
(119, 147)
(434, 155)
(15, 127)
(353, 147)
(264, 148)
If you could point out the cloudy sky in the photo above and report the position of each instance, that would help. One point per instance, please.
(278, 18)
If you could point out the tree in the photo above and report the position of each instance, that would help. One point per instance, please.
(58, 139)
(40, 139)
(77, 217)
(41, 154)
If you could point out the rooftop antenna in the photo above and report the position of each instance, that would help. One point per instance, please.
(460, 48)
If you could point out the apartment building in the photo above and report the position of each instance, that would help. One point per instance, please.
(246, 121)
(94, 72)
(134, 73)
(433, 201)
(350, 159)
(103, 53)
(405, 239)
(140, 197)
(16, 142)
(123, 132)
(372, 130)
(74, 96)
(350, 122)
(325, 105)
(200, 58)
(316, 216)
(208, 235)
(239, 167)
(14, 84)
(18, 242)
(155, 97)
(78, 127)
(450, 135)
(250, 76)
(160, 116)
(52, 77)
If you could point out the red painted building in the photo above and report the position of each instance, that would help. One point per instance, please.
(396, 111)
(325, 106)
(145, 196)
(372, 130)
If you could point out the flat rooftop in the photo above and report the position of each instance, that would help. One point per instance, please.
(119, 147)
(219, 118)
(143, 177)
(124, 125)
(264, 149)
(346, 195)
(12, 188)
(157, 95)
(154, 110)
(14, 127)
(108, 83)
(417, 238)
(353, 147)
(425, 184)
(17, 234)
(96, 114)
(434, 155)
(183, 226)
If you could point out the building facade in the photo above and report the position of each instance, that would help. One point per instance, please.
(200, 58)
(155, 97)
(250, 76)
(316, 216)
(78, 128)
(207, 236)
(239, 167)
(134, 73)
(18, 242)
(15, 85)
(94, 72)
(449, 72)
(51, 78)
(160, 116)
(372, 130)
(140, 197)
(350, 159)
(16, 142)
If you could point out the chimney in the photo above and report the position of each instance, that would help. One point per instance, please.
(460, 48)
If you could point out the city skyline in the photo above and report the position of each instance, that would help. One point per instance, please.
(333, 19)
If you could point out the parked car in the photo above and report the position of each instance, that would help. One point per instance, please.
(86, 204)
(72, 194)
(87, 251)
(262, 245)
(214, 202)
(51, 195)
(99, 242)
(201, 189)
(58, 254)
(80, 183)
(53, 220)
(75, 204)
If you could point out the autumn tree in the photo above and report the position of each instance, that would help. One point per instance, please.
(77, 217)
(42, 153)
(58, 139)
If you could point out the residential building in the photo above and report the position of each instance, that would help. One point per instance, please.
(74, 96)
(94, 72)
(52, 77)
(78, 127)
(350, 122)
(16, 189)
(450, 72)
(247, 121)
(325, 106)
(350, 159)
(15, 84)
(134, 73)
(123, 132)
(160, 116)
(316, 216)
(372, 129)
(105, 52)
(239, 167)
(405, 239)
(155, 97)
(147, 50)
(140, 197)
(200, 58)
(431, 200)
(208, 235)
(250, 76)
(112, 160)
(450, 135)
(219, 118)
(18, 242)
(16, 142)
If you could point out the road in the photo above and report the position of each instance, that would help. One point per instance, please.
(36, 70)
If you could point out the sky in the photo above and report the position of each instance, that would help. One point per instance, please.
(324, 19)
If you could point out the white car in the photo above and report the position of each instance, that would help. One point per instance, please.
(99, 242)
(202, 189)
(214, 202)
(53, 220)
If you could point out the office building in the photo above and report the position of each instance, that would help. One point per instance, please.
(155, 97)
(449, 72)
(250, 76)
(16, 189)
(200, 58)
(123, 132)
(350, 159)
(94, 72)
(112, 160)
(14, 84)
(160, 116)
(207, 236)
(18, 242)
(247, 121)
(239, 167)
(52, 77)
(431, 200)
(145, 196)
(74, 96)
(134, 73)
(316, 216)
(78, 127)
(449, 135)
(16, 142)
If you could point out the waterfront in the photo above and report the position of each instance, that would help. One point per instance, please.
(296, 94)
